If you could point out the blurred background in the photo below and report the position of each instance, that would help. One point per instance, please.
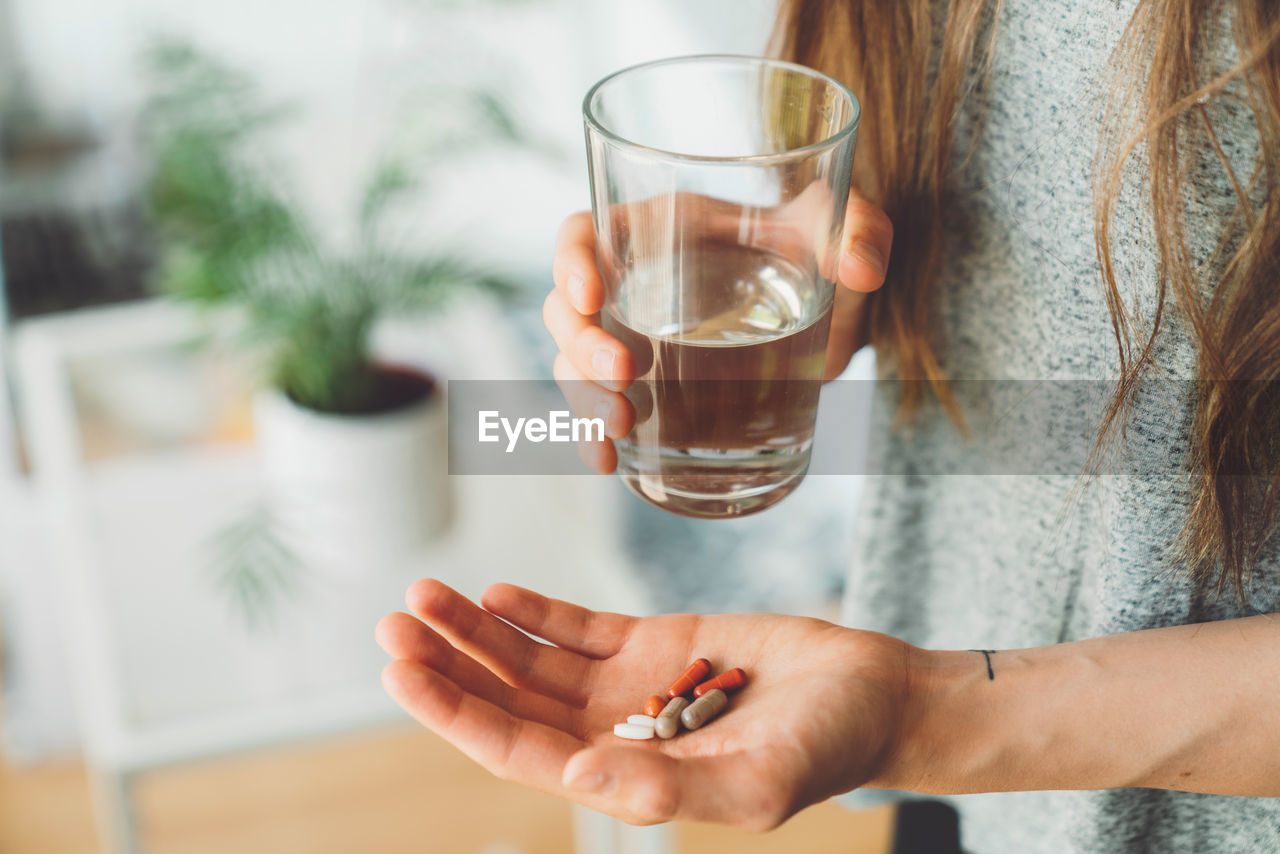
(215, 220)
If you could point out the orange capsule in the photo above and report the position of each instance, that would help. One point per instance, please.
(695, 673)
(728, 681)
(654, 706)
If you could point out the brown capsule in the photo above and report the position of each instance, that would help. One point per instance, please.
(695, 673)
(704, 708)
(730, 680)
(668, 723)
(654, 705)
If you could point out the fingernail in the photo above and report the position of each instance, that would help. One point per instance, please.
(602, 410)
(599, 783)
(574, 286)
(602, 364)
(869, 255)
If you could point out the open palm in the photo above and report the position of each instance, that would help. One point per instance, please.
(818, 716)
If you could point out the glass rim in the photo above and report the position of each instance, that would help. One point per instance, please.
(847, 129)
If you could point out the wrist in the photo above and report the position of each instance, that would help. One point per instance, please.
(1158, 708)
(920, 741)
(1016, 719)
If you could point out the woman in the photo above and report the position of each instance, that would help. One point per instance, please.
(1047, 190)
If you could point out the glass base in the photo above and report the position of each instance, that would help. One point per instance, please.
(716, 492)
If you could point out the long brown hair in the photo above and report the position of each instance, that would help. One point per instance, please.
(912, 87)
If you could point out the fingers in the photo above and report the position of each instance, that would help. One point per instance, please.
(868, 239)
(594, 401)
(578, 296)
(636, 784)
(510, 747)
(595, 353)
(515, 657)
(574, 270)
(591, 400)
(600, 457)
(598, 634)
(648, 786)
(402, 636)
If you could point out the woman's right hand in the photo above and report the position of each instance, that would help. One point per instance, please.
(593, 368)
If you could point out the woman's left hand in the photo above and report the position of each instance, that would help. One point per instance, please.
(820, 713)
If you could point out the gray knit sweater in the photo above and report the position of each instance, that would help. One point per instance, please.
(982, 560)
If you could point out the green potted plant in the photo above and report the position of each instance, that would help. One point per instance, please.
(353, 450)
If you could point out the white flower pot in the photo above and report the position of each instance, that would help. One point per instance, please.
(354, 490)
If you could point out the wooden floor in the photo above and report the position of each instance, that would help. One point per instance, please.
(397, 791)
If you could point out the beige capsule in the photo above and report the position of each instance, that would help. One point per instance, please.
(667, 723)
(704, 708)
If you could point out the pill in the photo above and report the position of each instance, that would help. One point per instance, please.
(633, 731)
(668, 722)
(730, 680)
(654, 705)
(704, 708)
(641, 720)
(696, 672)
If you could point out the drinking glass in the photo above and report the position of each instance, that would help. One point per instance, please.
(718, 188)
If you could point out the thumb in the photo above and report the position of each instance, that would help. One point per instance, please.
(646, 786)
(868, 239)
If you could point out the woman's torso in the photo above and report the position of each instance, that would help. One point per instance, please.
(996, 542)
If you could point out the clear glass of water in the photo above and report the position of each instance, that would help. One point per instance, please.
(719, 186)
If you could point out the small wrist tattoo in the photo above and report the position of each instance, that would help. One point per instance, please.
(987, 653)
